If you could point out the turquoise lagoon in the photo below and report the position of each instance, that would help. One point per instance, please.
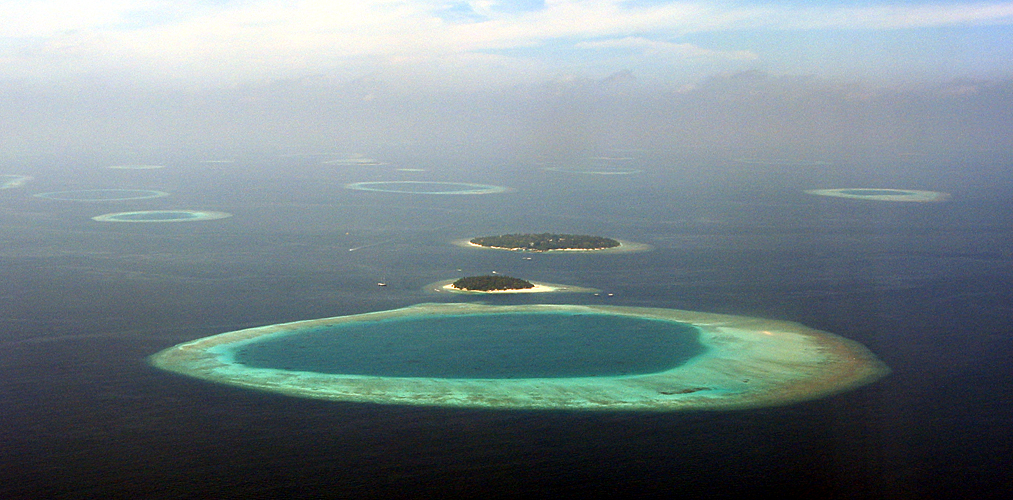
(538, 356)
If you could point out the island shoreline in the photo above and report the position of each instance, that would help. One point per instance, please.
(624, 247)
(447, 286)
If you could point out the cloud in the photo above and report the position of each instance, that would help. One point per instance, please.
(238, 40)
(679, 50)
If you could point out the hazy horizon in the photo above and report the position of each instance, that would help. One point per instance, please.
(565, 76)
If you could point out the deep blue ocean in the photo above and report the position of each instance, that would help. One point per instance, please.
(925, 286)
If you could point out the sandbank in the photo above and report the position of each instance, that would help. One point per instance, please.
(407, 187)
(361, 162)
(11, 181)
(624, 247)
(102, 195)
(447, 286)
(880, 194)
(787, 162)
(747, 363)
(592, 172)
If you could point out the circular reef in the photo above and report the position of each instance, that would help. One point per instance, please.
(356, 161)
(592, 171)
(10, 181)
(498, 284)
(787, 162)
(426, 187)
(553, 357)
(162, 216)
(883, 194)
(135, 167)
(102, 195)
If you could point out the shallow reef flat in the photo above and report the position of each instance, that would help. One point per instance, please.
(10, 181)
(148, 216)
(99, 195)
(427, 187)
(880, 194)
(743, 362)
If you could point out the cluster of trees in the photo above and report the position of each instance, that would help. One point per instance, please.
(487, 283)
(546, 241)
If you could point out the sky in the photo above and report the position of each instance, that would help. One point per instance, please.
(238, 58)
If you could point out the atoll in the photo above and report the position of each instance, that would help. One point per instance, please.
(93, 195)
(10, 181)
(723, 362)
(426, 187)
(877, 194)
(162, 216)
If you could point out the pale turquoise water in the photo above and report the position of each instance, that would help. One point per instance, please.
(513, 345)
(155, 215)
(875, 192)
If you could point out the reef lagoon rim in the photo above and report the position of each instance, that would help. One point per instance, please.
(624, 247)
(162, 216)
(102, 195)
(733, 362)
(787, 162)
(879, 194)
(447, 286)
(11, 181)
(361, 162)
(427, 187)
(593, 171)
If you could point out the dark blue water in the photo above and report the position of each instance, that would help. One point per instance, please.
(513, 345)
(82, 303)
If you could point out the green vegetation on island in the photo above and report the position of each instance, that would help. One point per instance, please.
(489, 283)
(546, 241)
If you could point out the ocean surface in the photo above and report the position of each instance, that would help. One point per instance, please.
(925, 286)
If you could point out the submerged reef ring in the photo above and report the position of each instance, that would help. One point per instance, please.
(593, 171)
(162, 216)
(447, 286)
(709, 361)
(135, 167)
(426, 187)
(362, 162)
(11, 181)
(782, 161)
(878, 194)
(102, 195)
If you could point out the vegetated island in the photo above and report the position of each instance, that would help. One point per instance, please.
(491, 283)
(544, 242)
(482, 285)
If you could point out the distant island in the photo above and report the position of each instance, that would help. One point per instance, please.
(544, 242)
(490, 283)
(498, 284)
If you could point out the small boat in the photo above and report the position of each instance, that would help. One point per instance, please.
(381, 284)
